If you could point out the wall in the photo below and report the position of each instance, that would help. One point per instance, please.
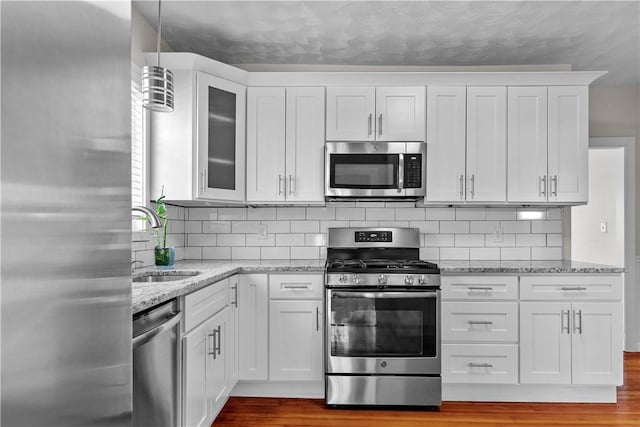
(301, 232)
(143, 38)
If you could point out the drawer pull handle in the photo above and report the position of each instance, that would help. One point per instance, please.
(293, 286)
(480, 288)
(480, 365)
(573, 288)
(480, 322)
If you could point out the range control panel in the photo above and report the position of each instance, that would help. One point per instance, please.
(413, 170)
(374, 236)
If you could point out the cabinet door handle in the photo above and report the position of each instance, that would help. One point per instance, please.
(280, 184)
(554, 187)
(461, 185)
(480, 322)
(235, 292)
(580, 319)
(202, 181)
(480, 365)
(219, 340)
(473, 185)
(542, 180)
(369, 124)
(380, 124)
(577, 326)
(291, 188)
(317, 319)
(213, 336)
(564, 327)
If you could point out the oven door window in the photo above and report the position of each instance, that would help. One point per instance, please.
(383, 326)
(366, 171)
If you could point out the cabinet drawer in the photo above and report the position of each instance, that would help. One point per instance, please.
(295, 286)
(479, 287)
(204, 303)
(571, 287)
(480, 322)
(480, 363)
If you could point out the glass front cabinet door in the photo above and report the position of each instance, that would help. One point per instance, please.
(220, 139)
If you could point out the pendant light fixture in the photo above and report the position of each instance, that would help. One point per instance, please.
(157, 81)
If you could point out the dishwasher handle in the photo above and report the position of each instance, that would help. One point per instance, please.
(149, 335)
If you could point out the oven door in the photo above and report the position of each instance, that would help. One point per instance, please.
(354, 169)
(383, 332)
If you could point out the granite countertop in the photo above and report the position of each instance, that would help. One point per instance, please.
(146, 294)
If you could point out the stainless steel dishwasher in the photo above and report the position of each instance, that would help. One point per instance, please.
(156, 385)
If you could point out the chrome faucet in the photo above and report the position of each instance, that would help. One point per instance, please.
(152, 217)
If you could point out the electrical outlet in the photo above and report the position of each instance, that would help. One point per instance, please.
(497, 235)
(262, 231)
(603, 226)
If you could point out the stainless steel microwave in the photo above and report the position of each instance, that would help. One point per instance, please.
(375, 170)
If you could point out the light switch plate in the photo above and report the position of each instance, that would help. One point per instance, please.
(262, 231)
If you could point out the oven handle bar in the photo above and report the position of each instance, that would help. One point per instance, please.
(427, 294)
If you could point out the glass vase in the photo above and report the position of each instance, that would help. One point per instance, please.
(165, 256)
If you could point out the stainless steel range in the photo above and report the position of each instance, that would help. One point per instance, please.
(383, 319)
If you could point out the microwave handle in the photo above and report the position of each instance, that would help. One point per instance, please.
(400, 172)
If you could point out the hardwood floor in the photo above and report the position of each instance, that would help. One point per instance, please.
(260, 412)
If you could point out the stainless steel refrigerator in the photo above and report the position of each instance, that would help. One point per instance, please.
(65, 292)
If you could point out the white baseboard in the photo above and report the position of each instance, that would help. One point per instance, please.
(528, 393)
(292, 389)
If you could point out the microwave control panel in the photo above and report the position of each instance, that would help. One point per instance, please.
(413, 171)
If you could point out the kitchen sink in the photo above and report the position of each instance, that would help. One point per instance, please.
(164, 276)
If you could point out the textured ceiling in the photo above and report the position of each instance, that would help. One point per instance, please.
(589, 35)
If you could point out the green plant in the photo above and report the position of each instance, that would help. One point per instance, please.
(161, 211)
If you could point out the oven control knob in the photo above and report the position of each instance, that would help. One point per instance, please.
(342, 278)
(382, 279)
(422, 280)
(408, 280)
(356, 279)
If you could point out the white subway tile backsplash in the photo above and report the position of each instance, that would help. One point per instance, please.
(373, 214)
(514, 254)
(546, 254)
(256, 240)
(426, 226)
(476, 214)
(469, 240)
(216, 253)
(301, 232)
(483, 227)
(439, 240)
(175, 212)
(233, 214)
(516, 226)
(245, 226)
(216, 227)
(274, 253)
(261, 213)
(531, 240)
(291, 213)
(492, 254)
(305, 226)
(553, 226)
(454, 253)
(202, 240)
(321, 213)
(440, 214)
(231, 239)
(350, 214)
(277, 226)
(411, 214)
(305, 252)
(208, 214)
(501, 214)
(454, 227)
(245, 252)
(290, 239)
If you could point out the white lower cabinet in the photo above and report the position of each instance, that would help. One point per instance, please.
(571, 343)
(253, 326)
(487, 363)
(295, 340)
(207, 353)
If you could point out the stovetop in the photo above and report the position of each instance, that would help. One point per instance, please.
(388, 266)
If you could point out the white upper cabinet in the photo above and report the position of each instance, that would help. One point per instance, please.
(568, 143)
(486, 144)
(548, 144)
(527, 144)
(375, 114)
(285, 143)
(446, 122)
(220, 139)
